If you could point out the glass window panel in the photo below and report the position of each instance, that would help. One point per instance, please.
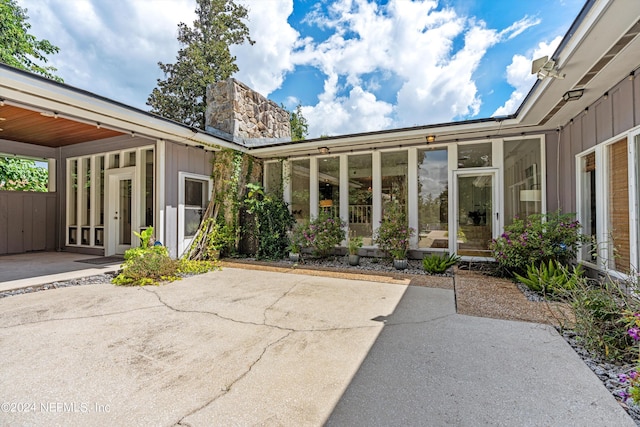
(73, 193)
(99, 211)
(329, 185)
(114, 161)
(130, 158)
(146, 211)
(193, 193)
(522, 179)
(125, 212)
(300, 189)
(360, 197)
(192, 219)
(474, 155)
(618, 206)
(588, 204)
(85, 207)
(394, 178)
(433, 199)
(273, 178)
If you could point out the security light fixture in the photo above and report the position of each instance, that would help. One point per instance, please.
(431, 139)
(545, 67)
(572, 95)
(323, 150)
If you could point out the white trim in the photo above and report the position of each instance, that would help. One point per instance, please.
(313, 188)
(412, 194)
(344, 195)
(634, 178)
(183, 243)
(159, 179)
(376, 189)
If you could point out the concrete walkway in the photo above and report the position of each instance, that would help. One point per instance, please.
(240, 347)
(38, 268)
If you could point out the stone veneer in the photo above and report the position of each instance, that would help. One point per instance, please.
(249, 118)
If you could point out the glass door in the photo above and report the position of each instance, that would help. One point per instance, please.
(476, 212)
(120, 211)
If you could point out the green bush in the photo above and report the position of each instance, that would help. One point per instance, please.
(394, 233)
(438, 264)
(147, 266)
(551, 278)
(536, 240)
(273, 220)
(600, 320)
(322, 234)
(187, 266)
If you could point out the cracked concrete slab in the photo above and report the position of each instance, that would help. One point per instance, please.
(191, 352)
(236, 347)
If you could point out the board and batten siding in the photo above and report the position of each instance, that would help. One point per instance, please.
(606, 118)
(27, 222)
(180, 158)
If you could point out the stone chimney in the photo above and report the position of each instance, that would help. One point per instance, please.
(235, 110)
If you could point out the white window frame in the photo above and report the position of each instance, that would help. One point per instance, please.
(183, 242)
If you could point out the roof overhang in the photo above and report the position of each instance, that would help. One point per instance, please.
(40, 111)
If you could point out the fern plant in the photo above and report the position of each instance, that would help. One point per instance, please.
(438, 264)
(551, 278)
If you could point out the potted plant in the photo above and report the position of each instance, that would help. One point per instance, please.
(394, 234)
(297, 241)
(355, 243)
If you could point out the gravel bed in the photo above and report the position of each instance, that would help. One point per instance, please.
(91, 280)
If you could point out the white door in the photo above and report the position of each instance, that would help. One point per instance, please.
(120, 210)
(476, 212)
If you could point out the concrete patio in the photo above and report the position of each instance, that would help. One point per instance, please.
(238, 348)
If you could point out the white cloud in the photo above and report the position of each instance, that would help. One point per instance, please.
(519, 75)
(263, 66)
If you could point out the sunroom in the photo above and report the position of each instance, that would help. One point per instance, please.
(458, 196)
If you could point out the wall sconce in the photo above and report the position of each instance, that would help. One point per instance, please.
(431, 139)
(606, 95)
(323, 150)
(573, 95)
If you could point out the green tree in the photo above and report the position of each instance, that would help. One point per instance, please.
(204, 58)
(22, 175)
(299, 125)
(20, 49)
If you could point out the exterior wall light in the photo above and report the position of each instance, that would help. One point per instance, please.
(431, 139)
(573, 95)
(323, 150)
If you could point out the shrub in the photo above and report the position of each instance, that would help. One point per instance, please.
(536, 240)
(551, 278)
(438, 264)
(394, 233)
(147, 266)
(272, 222)
(324, 233)
(599, 312)
(187, 266)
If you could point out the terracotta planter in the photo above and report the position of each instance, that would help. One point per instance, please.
(354, 260)
(400, 264)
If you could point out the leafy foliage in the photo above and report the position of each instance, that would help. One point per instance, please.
(298, 123)
(272, 222)
(149, 264)
(354, 244)
(20, 49)
(22, 175)
(600, 319)
(536, 240)
(204, 58)
(322, 234)
(551, 278)
(438, 264)
(394, 232)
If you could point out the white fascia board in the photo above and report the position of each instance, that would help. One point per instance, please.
(410, 136)
(42, 95)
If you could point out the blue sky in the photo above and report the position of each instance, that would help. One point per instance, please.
(353, 65)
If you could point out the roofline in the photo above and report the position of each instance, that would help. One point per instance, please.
(25, 86)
